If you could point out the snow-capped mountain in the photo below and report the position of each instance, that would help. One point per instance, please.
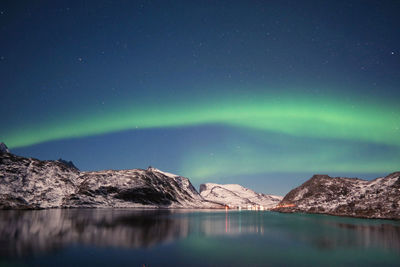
(3, 148)
(379, 198)
(237, 195)
(27, 183)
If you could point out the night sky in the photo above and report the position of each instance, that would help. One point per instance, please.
(261, 93)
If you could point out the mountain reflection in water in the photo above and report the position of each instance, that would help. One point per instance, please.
(42, 232)
(25, 232)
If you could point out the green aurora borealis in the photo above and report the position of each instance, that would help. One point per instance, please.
(296, 116)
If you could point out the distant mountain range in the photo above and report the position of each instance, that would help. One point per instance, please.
(235, 195)
(27, 183)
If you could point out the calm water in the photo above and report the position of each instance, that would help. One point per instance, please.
(193, 238)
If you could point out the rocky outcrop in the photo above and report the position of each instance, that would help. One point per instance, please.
(27, 183)
(236, 195)
(3, 148)
(379, 198)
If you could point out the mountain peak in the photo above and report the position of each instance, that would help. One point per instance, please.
(152, 169)
(3, 148)
(320, 176)
(67, 163)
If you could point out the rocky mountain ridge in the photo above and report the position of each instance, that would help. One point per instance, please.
(27, 183)
(237, 196)
(379, 198)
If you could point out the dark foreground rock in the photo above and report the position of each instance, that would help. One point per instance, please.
(27, 183)
(379, 198)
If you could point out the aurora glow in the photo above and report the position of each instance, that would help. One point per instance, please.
(262, 93)
(306, 117)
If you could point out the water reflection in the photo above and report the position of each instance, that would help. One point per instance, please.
(384, 235)
(28, 232)
(233, 223)
(330, 232)
(25, 233)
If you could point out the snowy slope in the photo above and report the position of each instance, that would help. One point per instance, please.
(31, 183)
(379, 198)
(236, 195)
